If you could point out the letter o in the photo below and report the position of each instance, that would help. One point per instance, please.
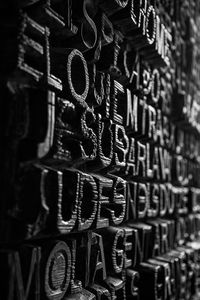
(155, 86)
(151, 25)
(57, 272)
(77, 75)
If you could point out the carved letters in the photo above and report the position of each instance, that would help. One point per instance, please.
(101, 153)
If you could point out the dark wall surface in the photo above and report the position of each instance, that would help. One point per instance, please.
(100, 150)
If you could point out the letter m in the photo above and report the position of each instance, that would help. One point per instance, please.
(20, 269)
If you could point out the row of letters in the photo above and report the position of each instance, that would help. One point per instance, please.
(70, 200)
(111, 263)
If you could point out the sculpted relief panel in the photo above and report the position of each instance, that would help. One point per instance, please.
(100, 158)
